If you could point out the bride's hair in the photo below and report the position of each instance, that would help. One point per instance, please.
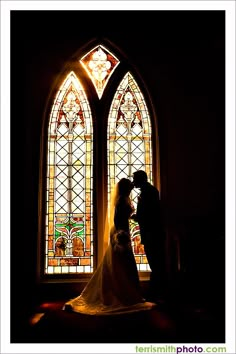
(123, 189)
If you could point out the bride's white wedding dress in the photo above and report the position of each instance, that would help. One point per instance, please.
(114, 288)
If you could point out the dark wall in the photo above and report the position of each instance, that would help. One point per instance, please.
(181, 57)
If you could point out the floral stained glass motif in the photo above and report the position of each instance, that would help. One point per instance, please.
(69, 209)
(99, 63)
(129, 148)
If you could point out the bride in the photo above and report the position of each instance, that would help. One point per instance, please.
(114, 287)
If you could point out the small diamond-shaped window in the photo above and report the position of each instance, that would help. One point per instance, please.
(99, 63)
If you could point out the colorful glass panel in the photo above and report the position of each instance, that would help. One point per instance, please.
(129, 148)
(69, 209)
(99, 63)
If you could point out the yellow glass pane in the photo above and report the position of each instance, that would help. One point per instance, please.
(85, 261)
(52, 262)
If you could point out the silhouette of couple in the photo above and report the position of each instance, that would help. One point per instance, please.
(114, 287)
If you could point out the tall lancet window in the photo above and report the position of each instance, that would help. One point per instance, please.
(69, 209)
(129, 148)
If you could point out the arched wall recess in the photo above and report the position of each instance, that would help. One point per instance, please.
(79, 174)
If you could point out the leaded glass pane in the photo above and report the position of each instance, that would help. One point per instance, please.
(129, 148)
(99, 63)
(69, 208)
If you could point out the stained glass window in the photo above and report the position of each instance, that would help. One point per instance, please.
(69, 209)
(99, 63)
(129, 148)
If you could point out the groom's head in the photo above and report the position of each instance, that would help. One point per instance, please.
(139, 178)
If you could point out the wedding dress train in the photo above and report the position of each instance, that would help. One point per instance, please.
(114, 287)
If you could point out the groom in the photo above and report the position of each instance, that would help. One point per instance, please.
(148, 216)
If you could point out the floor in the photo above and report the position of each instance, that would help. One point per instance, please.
(180, 319)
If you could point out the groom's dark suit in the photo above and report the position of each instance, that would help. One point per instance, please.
(148, 215)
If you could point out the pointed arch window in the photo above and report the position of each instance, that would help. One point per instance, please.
(70, 188)
(129, 137)
(69, 209)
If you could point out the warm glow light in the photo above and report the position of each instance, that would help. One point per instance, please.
(36, 318)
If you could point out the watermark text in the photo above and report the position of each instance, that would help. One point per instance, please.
(179, 349)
